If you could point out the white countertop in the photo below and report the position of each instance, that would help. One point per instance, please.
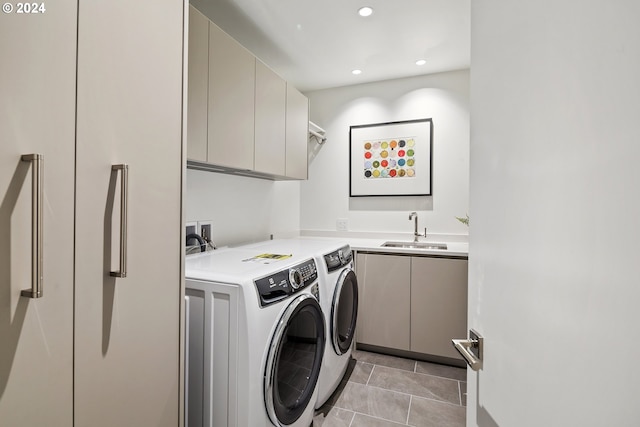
(457, 245)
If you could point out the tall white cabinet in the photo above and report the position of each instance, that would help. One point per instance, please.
(95, 349)
(37, 116)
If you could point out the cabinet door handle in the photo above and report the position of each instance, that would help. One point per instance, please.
(471, 349)
(37, 231)
(124, 188)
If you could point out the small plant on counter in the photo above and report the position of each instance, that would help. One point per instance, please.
(465, 220)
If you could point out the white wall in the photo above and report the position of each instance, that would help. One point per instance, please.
(242, 209)
(554, 275)
(325, 197)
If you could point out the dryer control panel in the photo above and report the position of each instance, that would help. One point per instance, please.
(278, 286)
(338, 258)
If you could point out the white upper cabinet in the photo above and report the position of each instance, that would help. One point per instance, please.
(232, 74)
(198, 85)
(241, 114)
(297, 133)
(270, 121)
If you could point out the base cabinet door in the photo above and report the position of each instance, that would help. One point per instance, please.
(384, 300)
(37, 116)
(438, 304)
(130, 66)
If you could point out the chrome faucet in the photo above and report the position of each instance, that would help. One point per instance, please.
(414, 216)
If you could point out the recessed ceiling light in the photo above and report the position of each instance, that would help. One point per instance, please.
(421, 62)
(365, 11)
(356, 72)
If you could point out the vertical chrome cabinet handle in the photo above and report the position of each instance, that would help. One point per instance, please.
(37, 232)
(471, 349)
(124, 187)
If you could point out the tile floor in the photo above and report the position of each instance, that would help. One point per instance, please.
(387, 391)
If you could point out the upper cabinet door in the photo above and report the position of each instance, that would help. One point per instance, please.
(130, 89)
(270, 121)
(297, 133)
(231, 101)
(198, 86)
(37, 116)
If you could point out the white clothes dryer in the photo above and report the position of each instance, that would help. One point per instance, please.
(255, 338)
(339, 301)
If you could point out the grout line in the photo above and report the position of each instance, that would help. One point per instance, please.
(419, 373)
(434, 399)
(370, 374)
(353, 417)
(409, 411)
(415, 367)
(460, 393)
(374, 417)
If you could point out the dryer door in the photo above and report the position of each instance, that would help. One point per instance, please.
(344, 311)
(294, 360)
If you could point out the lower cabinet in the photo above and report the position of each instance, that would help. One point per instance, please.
(384, 300)
(412, 303)
(438, 304)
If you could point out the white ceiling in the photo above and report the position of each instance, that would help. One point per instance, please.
(315, 44)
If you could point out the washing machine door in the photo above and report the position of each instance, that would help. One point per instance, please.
(293, 363)
(344, 311)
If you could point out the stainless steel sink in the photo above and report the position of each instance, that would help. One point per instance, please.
(415, 245)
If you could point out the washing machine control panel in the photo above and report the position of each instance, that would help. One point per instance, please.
(339, 258)
(278, 286)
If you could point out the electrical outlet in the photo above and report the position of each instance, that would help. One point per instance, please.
(206, 230)
(342, 224)
(190, 228)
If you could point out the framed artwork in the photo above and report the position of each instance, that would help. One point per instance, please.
(391, 159)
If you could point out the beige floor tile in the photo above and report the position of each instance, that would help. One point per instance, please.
(361, 420)
(429, 413)
(361, 372)
(374, 401)
(416, 384)
(384, 360)
(463, 393)
(333, 417)
(444, 371)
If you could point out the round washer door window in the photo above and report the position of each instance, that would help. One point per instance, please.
(294, 360)
(344, 311)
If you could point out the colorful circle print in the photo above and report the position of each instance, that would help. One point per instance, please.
(392, 158)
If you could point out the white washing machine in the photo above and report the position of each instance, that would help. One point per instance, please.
(339, 301)
(255, 338)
